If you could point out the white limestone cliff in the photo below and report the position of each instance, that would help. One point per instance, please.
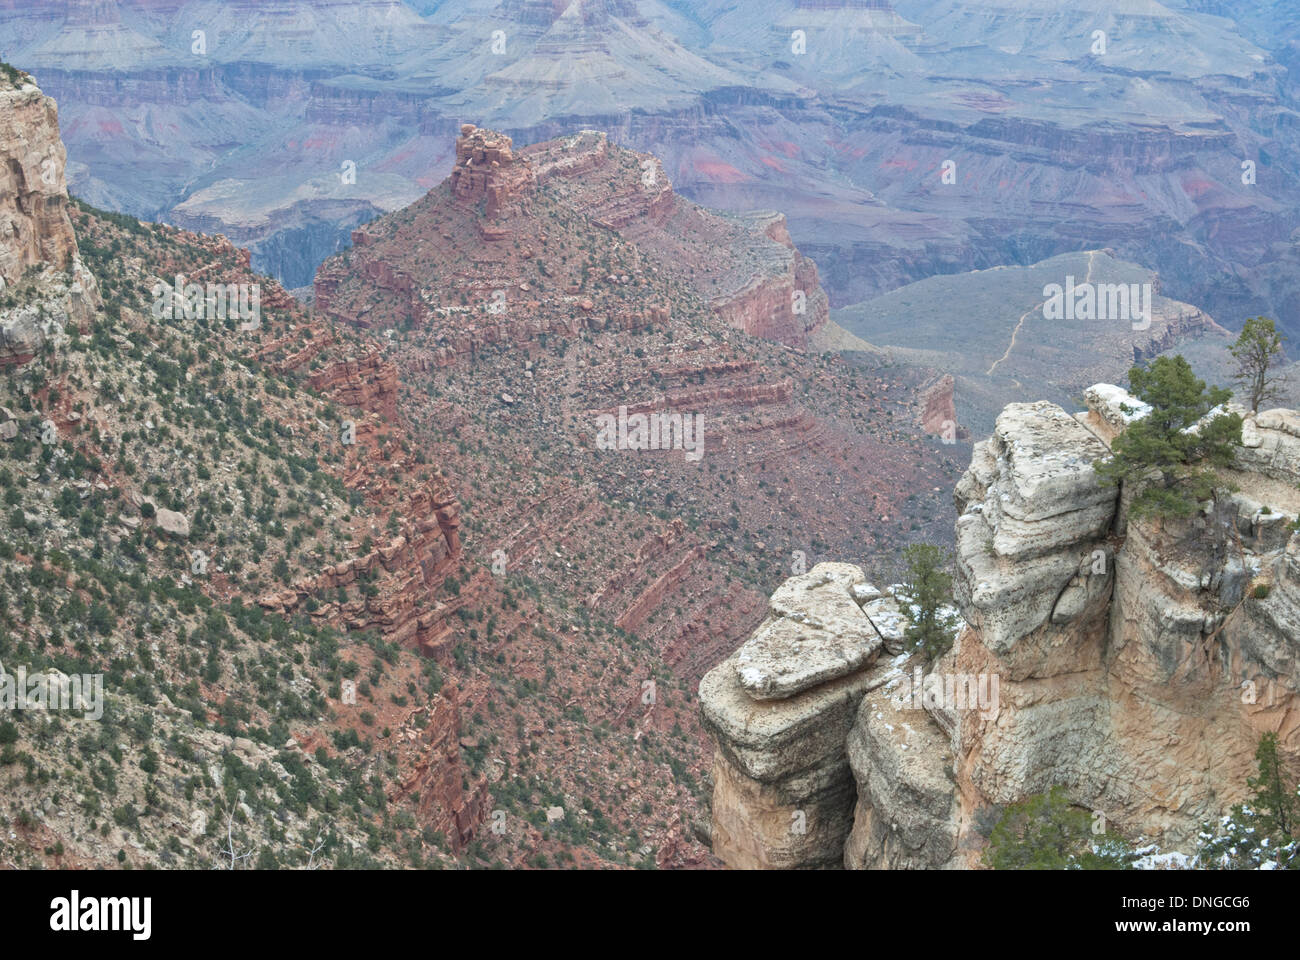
(1135, 663)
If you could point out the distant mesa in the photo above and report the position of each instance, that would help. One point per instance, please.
(488, 256)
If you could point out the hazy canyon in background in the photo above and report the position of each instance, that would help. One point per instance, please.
(1056, 148)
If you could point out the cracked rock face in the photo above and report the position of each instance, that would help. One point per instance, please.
(907, 812)
(38, 249)
(1031, 535)
(816, 632)
(34, 223)
(1271, 444)
(1123, 647)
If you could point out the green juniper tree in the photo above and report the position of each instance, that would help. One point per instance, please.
(1259, 834)
(1275, 802)
(1258, 351)
(12, 74)
(1045, 832)
(1168, 455)
(926, 589)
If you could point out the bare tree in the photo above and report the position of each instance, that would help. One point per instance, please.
(317, 846)
(236, 856)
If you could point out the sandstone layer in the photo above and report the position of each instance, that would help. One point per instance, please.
(783, 793)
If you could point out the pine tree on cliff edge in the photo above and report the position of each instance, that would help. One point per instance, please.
(1258, 351)
(1168, 456)
(15, 76)
(926, 589)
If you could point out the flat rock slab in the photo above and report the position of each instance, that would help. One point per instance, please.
(1048, 458)
(784, 657)
(816, 633)
(820, 589)
(774, 740)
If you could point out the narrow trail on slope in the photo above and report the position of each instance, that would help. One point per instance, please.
(1092, 254)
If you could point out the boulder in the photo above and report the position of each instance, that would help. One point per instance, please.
(173, 523)
(1271, 445)
(1045, 494)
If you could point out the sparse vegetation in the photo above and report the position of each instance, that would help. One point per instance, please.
(1261, 833)
(1047, 832)
(1166, 458)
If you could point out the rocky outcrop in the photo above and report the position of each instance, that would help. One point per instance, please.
(1134, 663)
(38, 251)
(488, 171)
(1271, 444)
(906, 816)
(426, 547)
(1032, 583)
(747, 266)
(1032, 517)
(34, 224)
(937, 411)
(428, 749)
(369, 383)
(783, 793)
(615, 201)
(783, 300)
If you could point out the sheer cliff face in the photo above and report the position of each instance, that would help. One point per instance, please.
(34, 224)
(1135, 664)
(1139, 666)
(48, 288)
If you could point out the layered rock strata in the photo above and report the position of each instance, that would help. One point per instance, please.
(780, 709)
(1133, 662)
(492, 255)
(488, 171)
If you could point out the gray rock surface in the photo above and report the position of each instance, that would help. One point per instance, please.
(1138, 663)
(906, 815)
(815, 633)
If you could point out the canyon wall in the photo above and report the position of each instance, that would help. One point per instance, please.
(38, 251)
(1134, 663)
(34, 220)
